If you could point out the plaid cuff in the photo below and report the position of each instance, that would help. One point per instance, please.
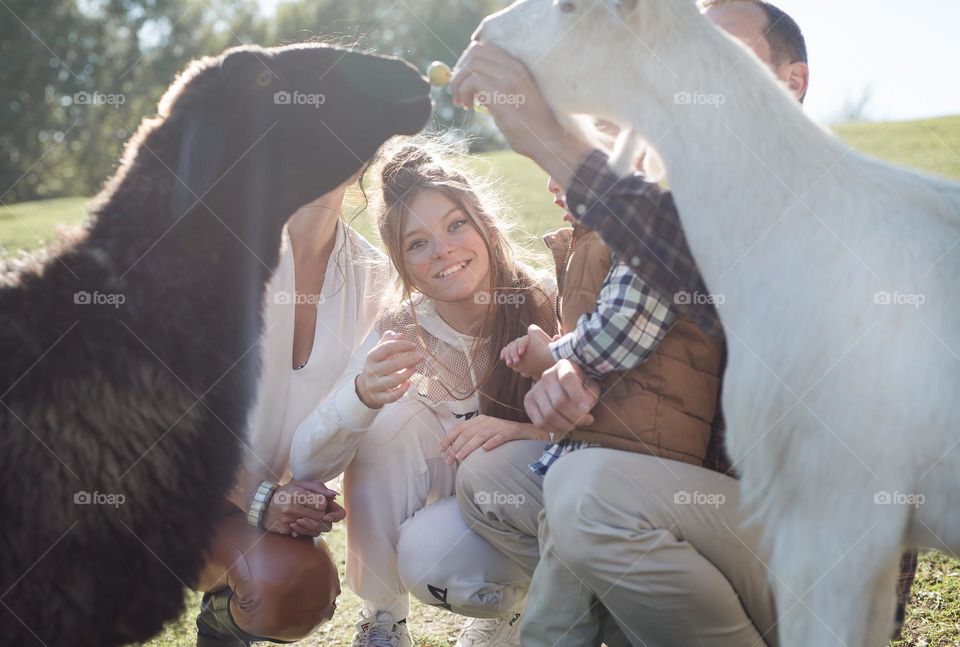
(566, 348)
(592, 181)
(554, 452)
(628, 324)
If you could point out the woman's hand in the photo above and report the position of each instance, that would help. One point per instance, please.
(386, 374)
(484, 431)
(300, 500)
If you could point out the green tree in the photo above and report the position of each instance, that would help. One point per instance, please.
(77, 76)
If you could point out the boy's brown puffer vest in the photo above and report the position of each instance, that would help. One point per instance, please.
(666, 405)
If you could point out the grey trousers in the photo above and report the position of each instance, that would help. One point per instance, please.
(660, 545)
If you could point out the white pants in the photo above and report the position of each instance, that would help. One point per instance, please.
(405, 531)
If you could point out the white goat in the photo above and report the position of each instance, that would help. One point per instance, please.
(840, 308)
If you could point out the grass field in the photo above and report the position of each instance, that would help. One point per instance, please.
(931, 145)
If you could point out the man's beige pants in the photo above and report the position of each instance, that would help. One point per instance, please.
(660, 545)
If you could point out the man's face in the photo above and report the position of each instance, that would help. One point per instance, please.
(747, 22)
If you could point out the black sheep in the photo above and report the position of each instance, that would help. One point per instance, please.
(130, 357)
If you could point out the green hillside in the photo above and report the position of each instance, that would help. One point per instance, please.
(931, 145)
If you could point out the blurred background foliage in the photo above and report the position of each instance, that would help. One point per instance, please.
(53, 143)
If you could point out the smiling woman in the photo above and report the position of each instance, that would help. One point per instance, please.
(423, 392)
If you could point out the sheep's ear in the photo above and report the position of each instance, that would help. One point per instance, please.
(625, 152)
(625, 6)
(241, 67)
(201, 158)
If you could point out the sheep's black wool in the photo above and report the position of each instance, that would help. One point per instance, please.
(130, 354)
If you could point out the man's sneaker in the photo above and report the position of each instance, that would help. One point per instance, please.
(382, 631)
(491, 632)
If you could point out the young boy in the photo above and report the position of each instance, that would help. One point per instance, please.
(659, 374)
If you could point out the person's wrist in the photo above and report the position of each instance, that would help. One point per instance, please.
(359, 386)
(529, 431)
(260, 502)
(559, 153)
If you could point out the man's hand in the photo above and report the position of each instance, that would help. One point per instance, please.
(488, 75)
(562, 399)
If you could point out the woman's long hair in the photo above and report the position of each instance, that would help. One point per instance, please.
(416, 167)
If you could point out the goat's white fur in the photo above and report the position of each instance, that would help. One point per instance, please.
(831, 399)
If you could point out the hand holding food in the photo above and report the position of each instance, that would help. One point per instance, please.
(386, 374)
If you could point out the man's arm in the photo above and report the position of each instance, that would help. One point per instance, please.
(637, 219)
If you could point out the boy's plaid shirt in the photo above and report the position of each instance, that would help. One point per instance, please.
(628, 324)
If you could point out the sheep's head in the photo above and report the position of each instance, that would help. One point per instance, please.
(591, 56)
(281, 126)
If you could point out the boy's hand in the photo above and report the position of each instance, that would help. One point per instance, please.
(536, 357)
(513, 351)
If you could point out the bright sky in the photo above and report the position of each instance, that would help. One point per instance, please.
(906, 51)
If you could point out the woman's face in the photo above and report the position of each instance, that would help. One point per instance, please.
(443, 252)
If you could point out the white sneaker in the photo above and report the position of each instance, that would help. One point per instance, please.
(382, 631)
(491, 632)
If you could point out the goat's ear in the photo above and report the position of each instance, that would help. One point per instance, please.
(625, 6)
(202, 148)
(625, 152)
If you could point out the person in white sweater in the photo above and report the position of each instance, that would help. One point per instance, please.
(429, 370)
(262, 579)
